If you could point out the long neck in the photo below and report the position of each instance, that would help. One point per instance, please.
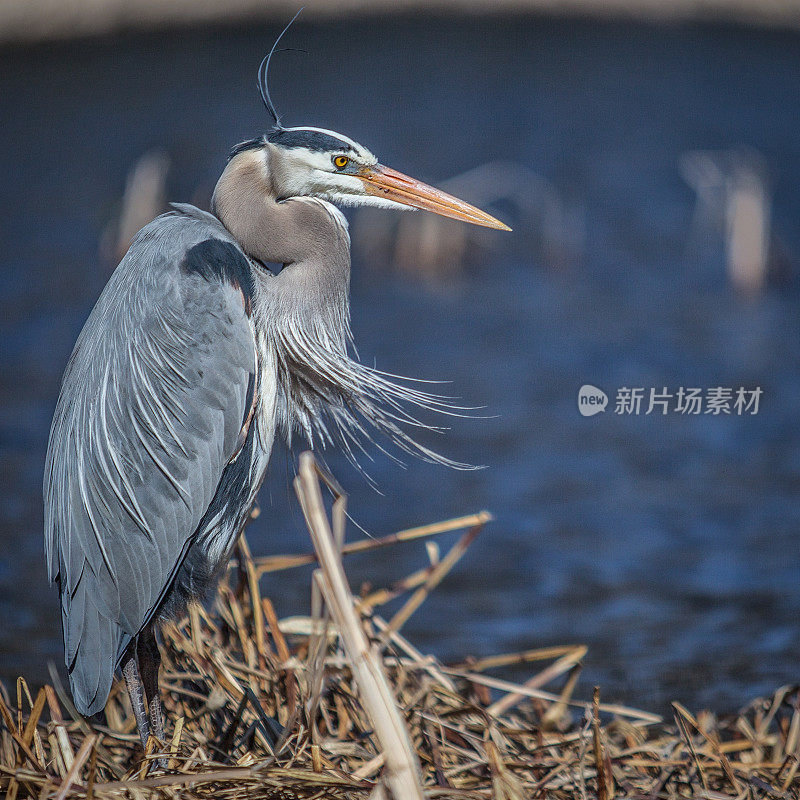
(305, 234)
(291, 231)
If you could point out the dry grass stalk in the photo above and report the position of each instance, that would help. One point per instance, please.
(278, 563)
(562, 665)
(402, 766)
(437, 573)
(257, 711)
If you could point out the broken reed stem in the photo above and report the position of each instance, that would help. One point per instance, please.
(402, 767)
(434, 578)
(689, 718)
(681, 722)
(282, 562)
(512, 659)
(605, 781)
(564, 664)
(80, 759)
(255, 601)
(317, 647)
(644, 717)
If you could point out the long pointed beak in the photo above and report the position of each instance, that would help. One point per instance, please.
(385, 182)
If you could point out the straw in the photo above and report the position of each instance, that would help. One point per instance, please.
(341, 705)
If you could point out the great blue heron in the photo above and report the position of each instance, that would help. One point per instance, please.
(194, 358)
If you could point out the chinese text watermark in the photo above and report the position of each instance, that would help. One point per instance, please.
(714, 400)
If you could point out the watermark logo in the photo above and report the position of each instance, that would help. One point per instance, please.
(692, 400)
(591, 400)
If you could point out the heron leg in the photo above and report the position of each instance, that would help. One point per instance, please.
(149, 663)
(133, 680)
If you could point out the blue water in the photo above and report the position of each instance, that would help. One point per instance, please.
(668, 544)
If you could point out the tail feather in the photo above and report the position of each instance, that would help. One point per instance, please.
(91, 644)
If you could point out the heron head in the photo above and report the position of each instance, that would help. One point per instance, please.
(314, 162)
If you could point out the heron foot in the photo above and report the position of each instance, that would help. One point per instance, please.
(157, 728)
(133, 681)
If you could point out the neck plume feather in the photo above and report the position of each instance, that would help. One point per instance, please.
(303, 318)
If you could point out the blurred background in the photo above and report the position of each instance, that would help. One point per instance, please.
(646, 154)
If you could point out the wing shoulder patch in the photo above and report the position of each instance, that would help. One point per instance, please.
(218, 260)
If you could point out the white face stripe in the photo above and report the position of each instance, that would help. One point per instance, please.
(327, 132)
(303, 172)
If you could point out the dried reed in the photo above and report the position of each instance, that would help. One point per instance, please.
(341, 705)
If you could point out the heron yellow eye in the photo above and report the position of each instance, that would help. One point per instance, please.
(340, 162)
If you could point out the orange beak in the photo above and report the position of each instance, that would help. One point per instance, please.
(388, 183)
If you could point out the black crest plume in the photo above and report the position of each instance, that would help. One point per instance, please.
(263, 74)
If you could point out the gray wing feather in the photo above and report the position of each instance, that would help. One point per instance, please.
(149, 414)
